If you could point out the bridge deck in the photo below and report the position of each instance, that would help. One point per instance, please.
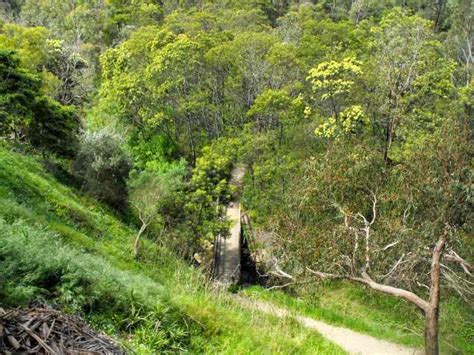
(228, 249)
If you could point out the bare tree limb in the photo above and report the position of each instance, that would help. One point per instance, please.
(454, 257)
(388, 246)
(394, 267)
(277, 271)
(286, 285)
(324, 275)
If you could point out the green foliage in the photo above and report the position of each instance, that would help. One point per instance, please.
(54, 128)
(75, 20)
(19, 89)
(25, 114)
(209, 192)
(71, 70)
(153, 152)
(103, 166)
(46, 268)
(59, 247)
(154, 194)
(38, 266)
(407, 57)
(156, 87)
(61, 69)
(197, 86)
(351, 119)
(333, 82)
(276, 109)
(124, 14)
(29, 42)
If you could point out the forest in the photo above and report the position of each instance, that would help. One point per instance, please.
(122, 123)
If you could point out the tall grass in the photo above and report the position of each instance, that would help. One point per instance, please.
(37, 265)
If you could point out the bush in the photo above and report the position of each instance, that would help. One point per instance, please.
(154, 196)
(103, 167)
(18, 89)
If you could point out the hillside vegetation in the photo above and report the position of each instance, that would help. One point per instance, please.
(120, 124)
(65, 249)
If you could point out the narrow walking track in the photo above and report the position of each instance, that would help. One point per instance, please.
(350, 341)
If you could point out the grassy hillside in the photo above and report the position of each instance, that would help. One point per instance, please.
(57, 246)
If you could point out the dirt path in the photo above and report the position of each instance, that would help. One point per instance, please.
(350, 341)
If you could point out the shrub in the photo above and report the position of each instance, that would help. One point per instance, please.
(154, 196)
(103, 166)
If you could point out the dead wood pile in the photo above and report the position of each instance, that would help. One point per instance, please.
(47, 331)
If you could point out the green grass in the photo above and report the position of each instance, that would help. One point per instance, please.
(366, 311)
(61, 247)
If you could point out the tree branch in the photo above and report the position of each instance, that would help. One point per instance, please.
(435, 281)
(454, 257)
(366, 280)
(389, 246)
(278, 271)
(394, 266)
(397, 292)
(324, 275)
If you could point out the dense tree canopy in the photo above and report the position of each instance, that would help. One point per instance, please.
(353, 118)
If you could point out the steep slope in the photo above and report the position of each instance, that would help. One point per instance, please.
(60, 247)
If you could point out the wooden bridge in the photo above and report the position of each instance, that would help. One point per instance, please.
(227, 249)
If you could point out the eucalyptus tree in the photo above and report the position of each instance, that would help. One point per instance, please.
(407, 60)
(398, 232)
(461, 38)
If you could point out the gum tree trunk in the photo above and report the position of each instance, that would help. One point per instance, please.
(432, 314)
(431, 332)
